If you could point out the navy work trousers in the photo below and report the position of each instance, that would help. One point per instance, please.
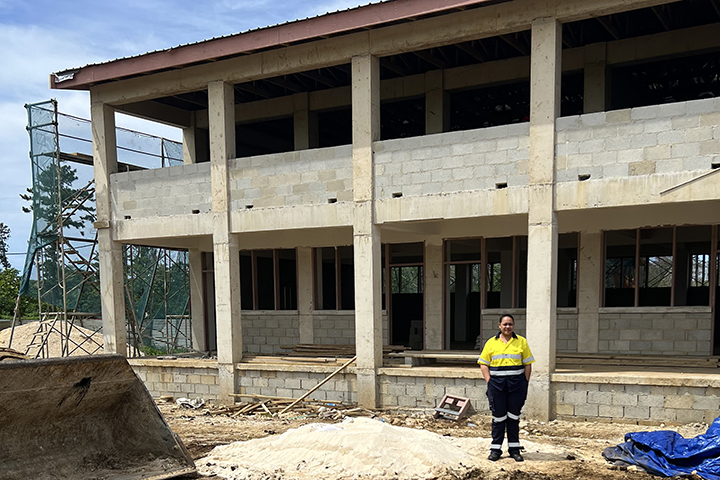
(507, 396)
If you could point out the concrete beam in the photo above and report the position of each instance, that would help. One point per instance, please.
(158, 112)
(463, 26)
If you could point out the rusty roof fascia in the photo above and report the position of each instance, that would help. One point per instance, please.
(369, 16)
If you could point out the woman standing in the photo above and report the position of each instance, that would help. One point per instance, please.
(505, 363)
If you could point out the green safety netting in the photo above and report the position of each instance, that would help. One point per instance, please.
(63, 241)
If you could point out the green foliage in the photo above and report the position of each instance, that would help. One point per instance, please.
(9, 284)
(4, 235)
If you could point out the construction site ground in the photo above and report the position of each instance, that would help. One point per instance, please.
(554, 450)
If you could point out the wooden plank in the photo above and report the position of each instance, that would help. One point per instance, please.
(319, 384)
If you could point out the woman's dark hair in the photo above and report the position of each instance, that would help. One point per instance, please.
(506, 315)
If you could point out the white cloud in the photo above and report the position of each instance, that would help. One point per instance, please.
(46, 36)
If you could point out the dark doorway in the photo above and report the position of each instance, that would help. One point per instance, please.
(407, 280)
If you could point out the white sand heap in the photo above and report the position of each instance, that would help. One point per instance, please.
(86, 339)
(357, 448)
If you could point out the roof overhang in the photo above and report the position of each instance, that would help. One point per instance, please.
(328, 25)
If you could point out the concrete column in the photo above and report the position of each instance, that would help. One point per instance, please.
(590, 263)
(305, 123)
(189, 145)
(306, 304)
(112, 296)
(434, 292)
(197, 300)
(545, 65)
(594, 96)
(437, 103)
(366, 235)
(221, 114)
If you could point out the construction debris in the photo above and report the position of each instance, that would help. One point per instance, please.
(323, 350)
(10, 354)
(453, 408)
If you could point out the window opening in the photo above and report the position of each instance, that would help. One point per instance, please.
(268, 279)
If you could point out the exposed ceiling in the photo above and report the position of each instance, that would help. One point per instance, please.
(646, 21)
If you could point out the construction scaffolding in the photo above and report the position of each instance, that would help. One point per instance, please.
(63, 246)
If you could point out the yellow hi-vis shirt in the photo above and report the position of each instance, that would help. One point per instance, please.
(506, 359)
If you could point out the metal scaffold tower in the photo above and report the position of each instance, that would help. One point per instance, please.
(63, 246)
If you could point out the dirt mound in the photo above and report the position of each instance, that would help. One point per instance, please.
(86, 339)
(358, 448)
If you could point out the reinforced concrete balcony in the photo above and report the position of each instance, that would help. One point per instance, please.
(638, 156)
(608, 159)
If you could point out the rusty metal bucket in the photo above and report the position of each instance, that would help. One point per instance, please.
(83, 418)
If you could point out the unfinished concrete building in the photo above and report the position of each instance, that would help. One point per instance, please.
(403, 172)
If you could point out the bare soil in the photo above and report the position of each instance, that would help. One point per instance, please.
(553, 450)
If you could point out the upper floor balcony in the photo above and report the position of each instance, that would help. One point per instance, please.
(615, 158)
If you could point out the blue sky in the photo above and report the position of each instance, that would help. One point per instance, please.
(41, 37)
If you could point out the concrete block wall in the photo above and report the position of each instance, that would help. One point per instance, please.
(642, 404)
(338, 327)
(425, 389)
(655, 331)
(179, 190)
(452, 162)
(265, 332)
(567, 330)
(657, 139)
(178, 378)
(293, 381)
(302, 177)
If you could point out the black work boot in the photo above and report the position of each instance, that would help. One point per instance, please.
(494, 455)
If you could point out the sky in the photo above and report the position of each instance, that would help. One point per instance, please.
(41, 37)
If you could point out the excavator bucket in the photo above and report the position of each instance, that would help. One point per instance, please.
(83, 418)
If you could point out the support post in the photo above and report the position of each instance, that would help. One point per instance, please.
(304, 123)
(112, 295)
(366, 234)
(197, 301)
(305, 294)
(594, 91)
(590, 257)
(437, 103)
(433, 292)
(545, 69)
(225, 245)
(189, 143)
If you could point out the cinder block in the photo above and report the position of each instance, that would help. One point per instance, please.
(626, 399)
(637, 413)
(679, 401)
(685, 346)
(690, 416)
(682, 150)
(611, 411)
(657, 125)
(700, 106)
(564, 409)
(618, 116)
(586, 410)
(642, 113)
(663, 414)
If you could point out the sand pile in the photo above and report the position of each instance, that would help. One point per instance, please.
(23, 336)
(357, 448)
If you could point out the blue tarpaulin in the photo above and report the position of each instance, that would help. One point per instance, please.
(668, 453)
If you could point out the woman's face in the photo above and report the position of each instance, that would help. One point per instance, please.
(506, 325)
